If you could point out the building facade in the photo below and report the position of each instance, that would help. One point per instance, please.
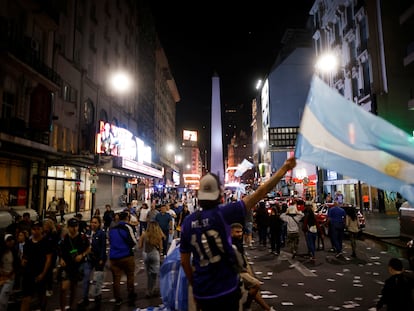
(57, 103)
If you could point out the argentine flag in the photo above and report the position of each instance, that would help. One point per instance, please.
(339, 135)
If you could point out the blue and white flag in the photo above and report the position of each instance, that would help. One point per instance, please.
(339, 135)
(243, 167)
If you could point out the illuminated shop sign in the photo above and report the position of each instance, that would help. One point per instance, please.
(137, 167)
(119, 142)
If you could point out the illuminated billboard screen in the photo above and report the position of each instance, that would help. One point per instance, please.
(190, 135)
(116, 141)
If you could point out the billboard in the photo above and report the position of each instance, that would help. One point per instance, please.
(190, 135)
(116, 141)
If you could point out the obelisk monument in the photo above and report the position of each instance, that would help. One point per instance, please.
(216, 159)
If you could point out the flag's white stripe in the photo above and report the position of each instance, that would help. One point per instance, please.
(319, 137)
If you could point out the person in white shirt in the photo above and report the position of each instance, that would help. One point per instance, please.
(143, 218)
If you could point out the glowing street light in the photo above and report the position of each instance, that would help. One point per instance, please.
(327, 63)
(121, 82)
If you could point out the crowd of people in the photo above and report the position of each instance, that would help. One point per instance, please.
(36, 255)
(213, 238)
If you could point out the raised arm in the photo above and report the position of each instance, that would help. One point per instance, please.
(252, 199)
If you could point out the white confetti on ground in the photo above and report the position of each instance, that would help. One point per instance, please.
(357, 277)
(332, 290)
(356, 281)
(374, 258)
(358, 285)
(269, 296)
(345, 270)
(267, 278)
(258, 272)
(315, 297)
(339, 274)
(270, 273)
(265, 292)
(330, 280)
(334, 308)
(285, 285)
(358, 298)
(301, 283)
(375, 273)
(287, 303)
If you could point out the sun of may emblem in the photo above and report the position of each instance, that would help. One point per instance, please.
(393, 168)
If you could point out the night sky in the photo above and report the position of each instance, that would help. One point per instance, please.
(239, 41)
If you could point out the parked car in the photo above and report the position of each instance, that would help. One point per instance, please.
(322, 213)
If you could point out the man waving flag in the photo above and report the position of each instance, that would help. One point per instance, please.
(339, 135)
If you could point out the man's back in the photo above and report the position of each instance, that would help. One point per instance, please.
(206, 234)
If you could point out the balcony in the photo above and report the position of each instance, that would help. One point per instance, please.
(25, 52)
(17, 128)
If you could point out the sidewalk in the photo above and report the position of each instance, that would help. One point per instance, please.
(384, 227)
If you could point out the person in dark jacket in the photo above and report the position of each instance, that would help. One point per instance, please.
(262, 223)
(73, 250)
(121, 255)
(275, 229)
(95, 261)
(397, 291)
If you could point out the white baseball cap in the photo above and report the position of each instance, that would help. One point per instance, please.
(209, 188)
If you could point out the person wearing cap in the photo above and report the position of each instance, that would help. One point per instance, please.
(73, 251)
(122, 241)
(36, 261)
(398, 289)
(7, 269)
(207, 255)
(292, 217)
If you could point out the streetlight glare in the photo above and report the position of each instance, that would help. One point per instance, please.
(327, 63)
(121, 82)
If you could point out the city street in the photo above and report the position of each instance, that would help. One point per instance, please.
(298, 284)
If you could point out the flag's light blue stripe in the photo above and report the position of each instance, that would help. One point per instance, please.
(337, 134)
(338, 114)
(308, 153)
(320, 137)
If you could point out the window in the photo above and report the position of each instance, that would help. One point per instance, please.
(8, 105)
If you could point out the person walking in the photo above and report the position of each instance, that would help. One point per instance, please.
(352, 225)
(143, 217)
(52, 235)
(73, 250)
(292, 217)
(37, 259)
(95, 263)
(310, 228)
(397, 292)
(108, 217)
(207, 255)
(336, 222)
(121, 255)
(181, 216)
(165, 220)
(275, 230)
(151, 243)
(262, 223)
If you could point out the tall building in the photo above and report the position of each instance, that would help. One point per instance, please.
(65, 130)
(371, 40)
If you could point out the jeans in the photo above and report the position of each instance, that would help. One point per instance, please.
(152, 267)
(337, 235)
(118, 266)
(98, 279)
(5, 292)
(311, 242)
